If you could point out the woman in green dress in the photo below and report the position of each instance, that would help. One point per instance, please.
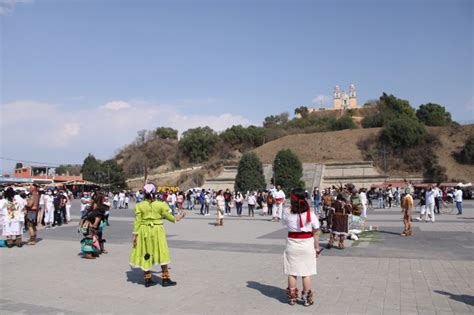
(149, 237)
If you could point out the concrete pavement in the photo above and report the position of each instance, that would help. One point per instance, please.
(238, 269)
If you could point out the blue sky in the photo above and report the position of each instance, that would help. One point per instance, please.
(94, 72)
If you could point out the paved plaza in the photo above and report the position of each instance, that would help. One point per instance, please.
(238, 269)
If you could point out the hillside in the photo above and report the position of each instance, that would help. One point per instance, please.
(342, 146)
(320, 147)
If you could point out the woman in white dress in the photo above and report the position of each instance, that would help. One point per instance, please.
(13, 217)
(302, 246)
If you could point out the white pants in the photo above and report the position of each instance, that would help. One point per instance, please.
(49, 215)
(430, 211)
(364, 211)
(68, 213)
(277, 210)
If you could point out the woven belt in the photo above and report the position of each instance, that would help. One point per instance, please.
(300, 235)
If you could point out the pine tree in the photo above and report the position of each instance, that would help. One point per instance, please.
(288, 170)
(249, 174)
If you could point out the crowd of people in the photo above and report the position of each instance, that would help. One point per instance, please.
(333, 209)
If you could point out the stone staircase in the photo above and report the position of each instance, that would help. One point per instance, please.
(361, 174)
(226, 179)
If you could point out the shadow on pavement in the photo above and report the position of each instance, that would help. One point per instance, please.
(136, 276)
(269, 291)
(388, 232)
(464, 298)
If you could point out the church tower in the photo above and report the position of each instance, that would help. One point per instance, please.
(352, 97)
(337, 102)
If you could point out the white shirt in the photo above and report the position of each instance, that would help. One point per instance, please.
(252, 200)
(279, 195)
(48, 201)
(292, 221)
(430, 197)
(20, 202)
(458, 195)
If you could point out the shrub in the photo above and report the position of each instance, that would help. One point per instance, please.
(402, 133)
(288, 170)
(249, 173)
(199, 143)
(467, 153)
(345, 122)
(433, 115)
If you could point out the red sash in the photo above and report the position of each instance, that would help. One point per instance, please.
(300, 235)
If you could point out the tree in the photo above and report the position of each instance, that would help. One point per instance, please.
(284, 117)
(287, 170)
(249, 173)
(238, 136)
(71, 169)
(402, 133)
(467, 153)
(112, 174)
(166, 133)
(199, 143)
(271, 121)
(91, 169)
(388, 108)
(345, 122)
(433, 115)
(302, 111)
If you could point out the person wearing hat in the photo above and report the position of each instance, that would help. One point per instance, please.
(302, 246)
(149, 237)
(407, 206)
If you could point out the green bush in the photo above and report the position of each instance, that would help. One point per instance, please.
(288, 170)
(199, 143)
(345, 122)
(249, 174)
(467, 153)
(387, 109)
(402, 133)
(433, 115)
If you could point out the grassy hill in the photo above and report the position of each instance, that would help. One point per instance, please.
(344, 146)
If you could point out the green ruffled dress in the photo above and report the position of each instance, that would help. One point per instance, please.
(152, 247)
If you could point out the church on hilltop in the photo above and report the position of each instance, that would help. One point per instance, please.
(341, 101)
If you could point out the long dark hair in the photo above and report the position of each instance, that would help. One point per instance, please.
(299, 204)
(9, 194)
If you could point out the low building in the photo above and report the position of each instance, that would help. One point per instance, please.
(43, 173)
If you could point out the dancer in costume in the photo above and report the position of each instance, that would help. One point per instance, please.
(407, 206)
(338, 221)
(91, 226)
(13, 218)
(302, 246)
(149, 238)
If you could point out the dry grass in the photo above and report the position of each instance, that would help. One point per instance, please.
(342, 146)
(320, 147)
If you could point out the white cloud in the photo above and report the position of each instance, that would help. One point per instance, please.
(46, 132)
(6, 6)
(321, 99)
(116, 105)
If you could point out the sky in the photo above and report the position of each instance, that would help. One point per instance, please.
(83, 76)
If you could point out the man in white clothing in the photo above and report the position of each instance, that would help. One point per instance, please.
(363, 201)
(430, 202)
(458, 199)
(49, 209)
(279, 197)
